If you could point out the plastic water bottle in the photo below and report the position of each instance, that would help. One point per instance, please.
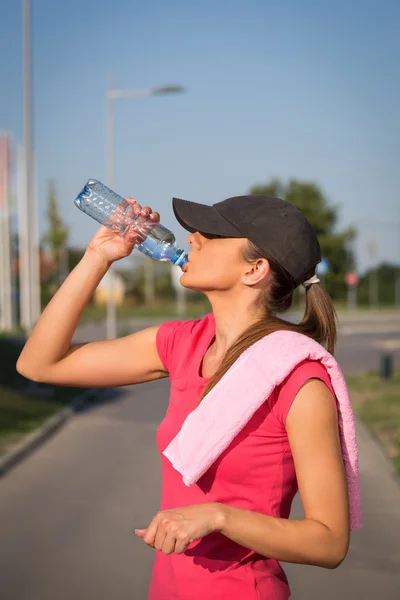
(113, 211)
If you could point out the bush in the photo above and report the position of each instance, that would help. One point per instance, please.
(9, 354)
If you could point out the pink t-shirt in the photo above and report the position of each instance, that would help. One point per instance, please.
(256, 472)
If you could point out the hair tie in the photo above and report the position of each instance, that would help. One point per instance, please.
(313, 279)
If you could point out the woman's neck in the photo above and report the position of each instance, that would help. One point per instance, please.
(230, 322)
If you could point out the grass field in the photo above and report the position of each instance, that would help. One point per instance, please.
(20, 414)
(377, 403)
(24, 405)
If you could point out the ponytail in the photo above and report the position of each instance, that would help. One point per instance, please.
(318, 322)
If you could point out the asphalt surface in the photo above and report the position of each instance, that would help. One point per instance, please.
(67, 513)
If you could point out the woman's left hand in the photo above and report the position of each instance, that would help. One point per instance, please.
(173, 530)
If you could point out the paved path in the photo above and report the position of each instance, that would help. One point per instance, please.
(67, 512)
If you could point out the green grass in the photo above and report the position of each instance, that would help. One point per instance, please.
(160, 309)
(23, 406)
(20, 415)
(377, 403)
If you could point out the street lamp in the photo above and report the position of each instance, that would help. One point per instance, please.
(111, 95)
(27, 212)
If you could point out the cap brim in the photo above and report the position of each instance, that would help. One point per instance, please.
(203, 218)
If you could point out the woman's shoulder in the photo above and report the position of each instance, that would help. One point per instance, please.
(179, 338)
(286, 392)
(307, 369)
(187, 327)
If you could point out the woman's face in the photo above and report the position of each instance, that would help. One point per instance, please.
(215, 264)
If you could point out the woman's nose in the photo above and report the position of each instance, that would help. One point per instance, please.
(194, 240)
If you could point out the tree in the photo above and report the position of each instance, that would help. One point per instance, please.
(335, 245)
(378, 285)
(136, 286)
(75, 255)
(56, 237)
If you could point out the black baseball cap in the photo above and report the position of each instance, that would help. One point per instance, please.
(276, 226)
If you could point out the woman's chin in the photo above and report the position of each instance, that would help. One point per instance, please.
(186, 283)
(190, 283)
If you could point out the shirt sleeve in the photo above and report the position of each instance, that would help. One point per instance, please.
(165, 342)
(288, 389)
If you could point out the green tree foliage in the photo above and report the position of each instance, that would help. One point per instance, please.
(75, 255)
(377, 287)
(135, 282)
(335, 245)
(56, 237)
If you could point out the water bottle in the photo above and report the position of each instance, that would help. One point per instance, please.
(113, 211)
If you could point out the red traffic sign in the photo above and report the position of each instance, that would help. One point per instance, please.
(351, 279)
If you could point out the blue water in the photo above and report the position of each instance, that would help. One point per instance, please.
(113, 211)
(160, 244)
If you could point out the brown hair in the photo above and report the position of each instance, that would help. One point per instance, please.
(318, 322)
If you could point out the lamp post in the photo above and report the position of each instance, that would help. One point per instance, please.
(29, 244)
(111, 95)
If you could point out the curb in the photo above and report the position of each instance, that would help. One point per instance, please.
(39, 435)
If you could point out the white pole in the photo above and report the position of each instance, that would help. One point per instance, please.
(351, 297)
(35, 252)
(13, 233)
(3, 187)
(26, 230)
(111, 316)
(24, 296)
(111, 321)
(5, 241)
(397, 279)
(149, 283)
(30, 260)
(180, 292)
(181, 303)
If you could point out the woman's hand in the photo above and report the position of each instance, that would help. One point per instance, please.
(173, 530)
(111, 245)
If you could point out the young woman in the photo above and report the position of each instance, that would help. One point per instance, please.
(224, 536)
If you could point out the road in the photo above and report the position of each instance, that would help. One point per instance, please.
(67, 512)
(362, 339)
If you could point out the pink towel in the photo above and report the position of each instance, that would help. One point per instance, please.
(225, 410)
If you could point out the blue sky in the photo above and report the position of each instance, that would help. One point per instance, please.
(294, 88)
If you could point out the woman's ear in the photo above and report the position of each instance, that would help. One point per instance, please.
(258, 272)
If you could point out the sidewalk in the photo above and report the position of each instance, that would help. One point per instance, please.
(371, 570)
(67, 513)
(70, 507)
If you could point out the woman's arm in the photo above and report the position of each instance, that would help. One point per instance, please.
(48, 355)
(322, 537)
(52, 334)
